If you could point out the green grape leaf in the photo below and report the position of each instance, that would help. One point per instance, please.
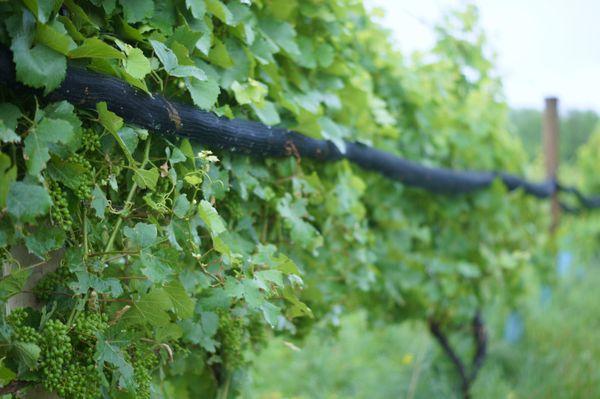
(129, 137)
(136, 64)
(325, 55)
(307, 57)
(66, 172)
(169, 60)
(55, 37)
(196, 7)
(28, 353)
(86, 281)
(40, 66)
(217, 183)
(111, 121)
(251, 292)
(182, 303)
(142, 235)
(221, 246)
(64, 111)
(137, 10)
(281, 34)
(96, 48)
(45, 239)
(268, 277)
(297, 308)
(9, 118)
(109, 352)
(8, 174)
(146, 178)
(181, 206)
(41, 9)
(220, 10)
(13, 283)
(219, 55)
(151, 308)
(6, 374)
(211, 218)
(166, 56)
(204, 93)
(294, 211)
(155, 266)
(334, 132)
(99, 202)
(266, 256)
(271, 313)
(26, 201)
(169, 332)
(252, 92)
(202, 332)
(48, 131)
(267, 113)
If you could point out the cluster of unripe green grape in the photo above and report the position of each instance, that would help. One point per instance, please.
(85, 181)
(60, 206)
(49, 284)
(90, 140)
(143, 361)
(21, 331)
(231, 336)
(87, 324)
(66, 363)
(55, 356)
(257, 332)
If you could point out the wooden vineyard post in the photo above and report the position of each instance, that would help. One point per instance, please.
(550, 139)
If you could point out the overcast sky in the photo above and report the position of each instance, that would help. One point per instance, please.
(544, 47)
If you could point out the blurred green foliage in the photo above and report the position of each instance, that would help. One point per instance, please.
(575, 129)
(556, 357)
(543, 346)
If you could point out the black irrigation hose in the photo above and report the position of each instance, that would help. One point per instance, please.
(84, 89)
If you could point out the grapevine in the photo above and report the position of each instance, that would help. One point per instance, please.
(66, 362)
(214, 253)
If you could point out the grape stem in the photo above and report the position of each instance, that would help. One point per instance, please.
(223, 392)
(128, 200)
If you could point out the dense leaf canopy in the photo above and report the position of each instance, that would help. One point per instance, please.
(179, 259)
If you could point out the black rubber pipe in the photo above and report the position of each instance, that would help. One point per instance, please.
(84, 89)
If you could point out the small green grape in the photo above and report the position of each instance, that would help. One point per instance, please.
(231, 335)
(60, 206)
(22, 332)
(67, 362)
(144, 361)
(85, 181)
(90, 141)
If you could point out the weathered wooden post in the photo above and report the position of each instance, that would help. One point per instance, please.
(550, 139)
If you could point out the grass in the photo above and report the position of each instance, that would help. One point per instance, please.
(556, 356)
